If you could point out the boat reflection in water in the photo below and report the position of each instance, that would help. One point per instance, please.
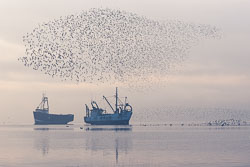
(116, 139)
(45, 138)
(109, 128)
(41, 140)
(91, 143)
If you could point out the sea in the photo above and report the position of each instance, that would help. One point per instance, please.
(139, 145)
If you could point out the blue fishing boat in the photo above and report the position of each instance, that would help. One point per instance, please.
(98, 116)
(43, 117)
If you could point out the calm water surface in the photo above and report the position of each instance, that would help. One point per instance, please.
(176, 146)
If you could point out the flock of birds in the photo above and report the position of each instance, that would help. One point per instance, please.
(106, 45)
(229, 122)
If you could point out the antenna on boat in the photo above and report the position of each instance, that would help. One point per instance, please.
(116, 100)
(109, 104)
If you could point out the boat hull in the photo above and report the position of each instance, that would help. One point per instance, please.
(108, 122)
(109, 119)
(47, 119)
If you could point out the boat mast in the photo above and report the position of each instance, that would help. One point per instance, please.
(44, 105)
(116, 100)
(43, 101)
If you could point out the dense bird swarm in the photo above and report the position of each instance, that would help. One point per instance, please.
(102, 45)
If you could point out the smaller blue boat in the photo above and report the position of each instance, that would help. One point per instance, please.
(42, 116)
(98, 116)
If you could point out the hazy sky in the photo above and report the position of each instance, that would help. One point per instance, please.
(215, 74)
